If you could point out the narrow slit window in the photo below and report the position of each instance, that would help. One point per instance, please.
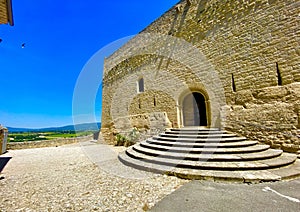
(279, 78)
(154, 101)
(233, 83)
(140, 104)
(141, 85)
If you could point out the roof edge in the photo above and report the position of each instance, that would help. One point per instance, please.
(9, 12)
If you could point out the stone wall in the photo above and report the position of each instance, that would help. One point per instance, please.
(270, 115)
(242, 55)
(148, 124)
(47, 143)
(3, 139)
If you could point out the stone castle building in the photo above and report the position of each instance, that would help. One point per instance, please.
(230, 64)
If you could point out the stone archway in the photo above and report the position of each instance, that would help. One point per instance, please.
(194, 110)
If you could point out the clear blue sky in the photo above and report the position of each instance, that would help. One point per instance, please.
(60, 36)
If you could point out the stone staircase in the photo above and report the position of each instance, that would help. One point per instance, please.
(208, 153)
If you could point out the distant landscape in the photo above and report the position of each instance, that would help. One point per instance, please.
(77, 127)
(69, 131)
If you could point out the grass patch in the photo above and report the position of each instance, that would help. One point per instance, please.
(40, 136)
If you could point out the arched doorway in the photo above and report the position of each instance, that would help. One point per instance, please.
(194, 110)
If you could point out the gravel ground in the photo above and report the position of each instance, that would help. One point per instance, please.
(78, 177)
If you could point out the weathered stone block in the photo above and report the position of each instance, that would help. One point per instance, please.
(271, 93)
(159, 121)
(243, 97)
(290, 148)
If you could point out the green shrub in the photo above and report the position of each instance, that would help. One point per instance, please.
(131, 139)
(120, 140)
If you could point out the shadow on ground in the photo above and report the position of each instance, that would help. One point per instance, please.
(3, 162)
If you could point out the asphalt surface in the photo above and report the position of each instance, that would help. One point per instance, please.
(213, 196)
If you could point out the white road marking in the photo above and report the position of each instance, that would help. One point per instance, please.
(284, 196)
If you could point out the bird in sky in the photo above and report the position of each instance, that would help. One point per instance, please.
(23, 45)
(0, 40)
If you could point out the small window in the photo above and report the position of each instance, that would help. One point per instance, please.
(141, 85)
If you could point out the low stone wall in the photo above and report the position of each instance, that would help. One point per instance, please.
(148, 124)
(47, 143)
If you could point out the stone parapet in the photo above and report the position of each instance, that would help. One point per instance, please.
(47, 143)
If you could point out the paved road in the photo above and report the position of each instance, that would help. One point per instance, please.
(210, 196)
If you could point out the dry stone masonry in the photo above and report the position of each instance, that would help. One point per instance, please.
(241, 57)
(3, 139)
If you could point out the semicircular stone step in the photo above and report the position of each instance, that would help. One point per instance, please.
(251, 176)
(237, 144)
(193, 136)
(198, 129)
(283, 160)
(200, 140)
(196, 132)
(200, 153)
(270, 153)
(216, 150)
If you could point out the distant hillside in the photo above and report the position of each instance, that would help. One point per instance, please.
(77, 127)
